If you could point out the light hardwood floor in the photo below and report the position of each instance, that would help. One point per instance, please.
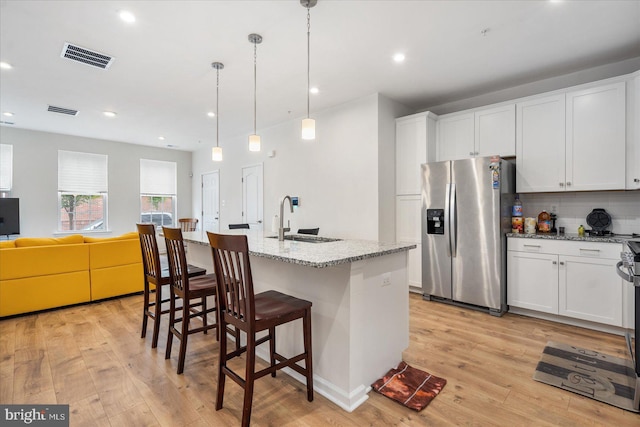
(92, 358)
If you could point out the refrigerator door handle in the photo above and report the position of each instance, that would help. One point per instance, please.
(447, 209)
(453, 227)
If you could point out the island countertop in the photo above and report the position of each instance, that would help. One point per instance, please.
(318, 255)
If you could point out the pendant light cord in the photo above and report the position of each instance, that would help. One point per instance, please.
(217, 98)
(255, 84)
(308, 55)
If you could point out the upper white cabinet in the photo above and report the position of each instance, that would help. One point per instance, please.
(540, 153)
(595, 149)
(413, 134)
(485, 132)
(572, 142)
(633, 133)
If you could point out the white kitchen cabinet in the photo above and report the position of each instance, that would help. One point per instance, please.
(484, 132)
(572, 141)
(595, 143)
(589, 291)
(408, 226)
(532, 281)
(540, 135)
(456, 134)
(569, 278)
(633, 133)
(415, 144)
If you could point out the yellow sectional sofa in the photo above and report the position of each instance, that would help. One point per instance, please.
(42, 273)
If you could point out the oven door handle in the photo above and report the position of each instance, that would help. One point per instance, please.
(626, 276)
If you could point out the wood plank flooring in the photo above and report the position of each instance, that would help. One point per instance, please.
(92, 357)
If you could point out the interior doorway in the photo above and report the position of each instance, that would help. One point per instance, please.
(211, 202)
(252, 196)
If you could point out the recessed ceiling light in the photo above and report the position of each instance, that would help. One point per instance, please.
(5, 66)
(211, 114)
(109, 113)
(8, 114)
(161, 138)
(399, 57)
(127, 16)
(314, 90)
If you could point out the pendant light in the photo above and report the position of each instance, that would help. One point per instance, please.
(254, 140)
(216, 152)
(308, 124)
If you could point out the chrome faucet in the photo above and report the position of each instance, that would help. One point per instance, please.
(282, 228)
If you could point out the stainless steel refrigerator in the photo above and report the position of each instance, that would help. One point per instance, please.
(466, 211)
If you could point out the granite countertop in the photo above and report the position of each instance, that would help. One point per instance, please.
(318, 255)
(574, 237)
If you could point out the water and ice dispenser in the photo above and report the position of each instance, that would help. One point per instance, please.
(435, 221)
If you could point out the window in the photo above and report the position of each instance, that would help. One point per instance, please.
(82, 191)
(158, 192)
(6, 167)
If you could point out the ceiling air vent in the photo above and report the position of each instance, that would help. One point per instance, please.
(86, 56)
(61, 110)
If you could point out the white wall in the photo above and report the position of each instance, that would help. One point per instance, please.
(336, 176)
(35, 178)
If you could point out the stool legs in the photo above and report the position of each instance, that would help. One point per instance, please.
(306, 324)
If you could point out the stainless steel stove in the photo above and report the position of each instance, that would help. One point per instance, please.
(629, 269)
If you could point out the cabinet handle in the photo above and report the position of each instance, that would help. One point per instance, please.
(568, 184)
(561, 184)
(476, 153)
(561, 262)
(531, 246)
(471, 153)
(592, 250)
(636, 179)
(555, 262)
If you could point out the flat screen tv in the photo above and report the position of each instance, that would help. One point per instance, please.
(9, 216)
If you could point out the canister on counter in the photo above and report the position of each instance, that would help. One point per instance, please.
(517, 224)
(530, 226)
(544, 222)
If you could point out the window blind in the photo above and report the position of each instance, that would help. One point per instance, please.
(82, 173)
(6, 167)
(158, 177)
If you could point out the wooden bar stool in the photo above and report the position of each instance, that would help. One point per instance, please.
(188, 224)
(238, 306)
(155, 277)
(188, 289)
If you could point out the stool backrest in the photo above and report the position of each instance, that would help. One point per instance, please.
(235, 283)
(188, 224)
(177, 259)
(150, 252)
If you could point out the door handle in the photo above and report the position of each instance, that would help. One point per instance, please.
(260, 221)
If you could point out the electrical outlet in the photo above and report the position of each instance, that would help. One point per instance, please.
(554, 209)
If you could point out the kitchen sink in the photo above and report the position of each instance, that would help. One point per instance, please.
(307, 239)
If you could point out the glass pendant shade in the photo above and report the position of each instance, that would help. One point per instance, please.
(254, 142)
(216, 154)
(308, 129)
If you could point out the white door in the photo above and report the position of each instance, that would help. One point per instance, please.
(252, 195)
(456, 137)
(411, 152)
(496, 131)
(211, 201)
(532, 281)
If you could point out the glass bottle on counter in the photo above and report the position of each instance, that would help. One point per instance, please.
(517, 222)
(581, 230)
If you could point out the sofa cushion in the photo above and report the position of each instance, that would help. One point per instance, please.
(4, 244)
(114, 253)
(126, 236)
(43, 260)
(24, 242)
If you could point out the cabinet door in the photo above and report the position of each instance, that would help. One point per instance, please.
(411, 152)
(456, 137)
(408, 225)
(540, 143)
(595, 141)
(532, 281)
(590, 289)
(633, 134)
(495, 130)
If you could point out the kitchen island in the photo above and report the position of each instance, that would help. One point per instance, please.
(360, 314)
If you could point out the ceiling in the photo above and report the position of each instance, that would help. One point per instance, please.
(161, 82)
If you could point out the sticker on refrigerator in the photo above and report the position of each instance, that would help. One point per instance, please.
(495, 173)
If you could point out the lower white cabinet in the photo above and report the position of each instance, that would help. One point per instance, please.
(567, 278)
(408, 225)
